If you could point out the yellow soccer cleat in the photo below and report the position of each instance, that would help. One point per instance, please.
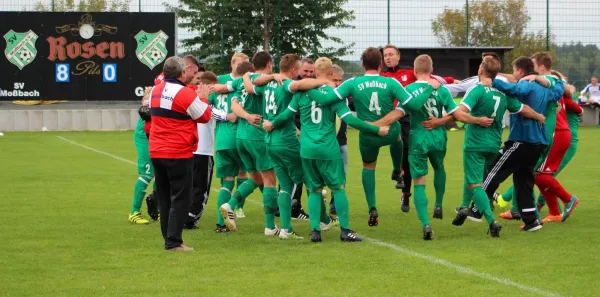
(136, 218)
(501, 202)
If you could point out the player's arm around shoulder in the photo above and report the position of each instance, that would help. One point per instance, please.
(324, 96)
(344, 113)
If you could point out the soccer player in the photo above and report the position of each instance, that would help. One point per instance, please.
(373, 97)
(228, 161)
(321, 159)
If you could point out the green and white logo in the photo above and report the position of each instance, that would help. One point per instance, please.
(151, 48)
(20, 47)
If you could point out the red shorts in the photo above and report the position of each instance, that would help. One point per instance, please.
(562, 141)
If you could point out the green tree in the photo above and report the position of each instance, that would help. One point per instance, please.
(277, 26)
(579, 62)
(491, 23)
(83, 5)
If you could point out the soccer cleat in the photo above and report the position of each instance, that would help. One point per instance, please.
(333, 222)
(239, 213)
(284, 234)
(569, 208)
(552, 219)
(272, 232)
(190, 222)
(438, 213)
(228, 216)
(461, 216)
(495, 228)
(532, 227)
(221, 229)
(136, 218)
(373, 217)
(427, 233)
(152, 205)
(181, 248)
(500, 200)
(315, 236)
(511, 215)
(190, 226)
(349, 236)
(397, 176)
(299, 215)
(405, 202)
(474, 215)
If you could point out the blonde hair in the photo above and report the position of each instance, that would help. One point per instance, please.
(323, 65)
(241, 56)
(423, 64)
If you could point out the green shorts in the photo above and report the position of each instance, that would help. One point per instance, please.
(286, 163)
(418, 162)
(369, 144)
(474, 164)
(228, 163)
(254, 155)
(143, 155)
(319, 173)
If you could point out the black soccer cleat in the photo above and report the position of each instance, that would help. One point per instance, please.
(495, 228)
(427, 233)
(397, 176)
(461, 216)
(474, 214)
(438, 213)
(300, 215)
(532, 227)
(221, 229)
(349, 236)
(315, 236)
(405, 202)
(152, 204)
(373, 217)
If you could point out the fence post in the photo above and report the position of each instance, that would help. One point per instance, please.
(467, 23)
(315, 50)
(547, 25)
(223, 69)
(52, 5)
(388, 24)
(139, 5)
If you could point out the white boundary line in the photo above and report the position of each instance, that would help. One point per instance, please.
(399, 249)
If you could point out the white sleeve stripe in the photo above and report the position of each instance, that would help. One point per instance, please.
(465, 104)
(197, 108)
(290, 108)
(338, 94)
(409, 98)
(254, 89)
(520, 109)
(401, 109)
(230, 86)
(218, 114)
(289, 88)
(453, 110)
(342, 116)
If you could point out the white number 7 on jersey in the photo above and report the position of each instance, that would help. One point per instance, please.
(497, 99)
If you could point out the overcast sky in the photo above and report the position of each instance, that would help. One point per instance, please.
(575, 20)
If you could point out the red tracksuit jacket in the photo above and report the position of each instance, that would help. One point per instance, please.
(406, 76)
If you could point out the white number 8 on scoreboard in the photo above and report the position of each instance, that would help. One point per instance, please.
(62, 72)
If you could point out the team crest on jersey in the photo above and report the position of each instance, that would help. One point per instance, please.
(404, 77)
(20, 48)
(151, 48)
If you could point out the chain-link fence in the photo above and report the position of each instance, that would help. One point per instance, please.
(567, 28)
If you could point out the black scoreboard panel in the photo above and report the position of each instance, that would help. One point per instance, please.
(82, 56)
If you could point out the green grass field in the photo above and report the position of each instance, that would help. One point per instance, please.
(65, 232)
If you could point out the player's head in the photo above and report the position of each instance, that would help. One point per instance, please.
(338, 75)
(489, 68)
(192, 66)
(242, 68)
(391, 55)
(196, 79)
(238, 58)
(174, 67)
(290, 64)
(594, 80)
(371, 59)
(492, 55)
(558, 74)
(263, 61)
(542, 62)
(522, 66)
(423, 65)
(323, 68)
(307, 68)
(208, 78)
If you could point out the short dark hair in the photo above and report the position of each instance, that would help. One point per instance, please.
(371, 58)
(208, 78)
(261, 60)
(287, 62)
(201, 68)
(244, 67)
(192, 60)
(523, 63)
(490, 67)
(490, 54)
(307, 60)
(543, 58)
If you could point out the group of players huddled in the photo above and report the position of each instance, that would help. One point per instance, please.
(253, 113)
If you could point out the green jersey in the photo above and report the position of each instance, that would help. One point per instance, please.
(225, 78)
(277, 99)
(488, 102)
(573, 119)
(225, 131)
(423, 140)
(253, 104)
(139, 129)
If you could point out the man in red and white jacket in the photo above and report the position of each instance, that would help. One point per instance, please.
(175, 110)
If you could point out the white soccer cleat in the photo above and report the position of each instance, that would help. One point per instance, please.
(284, 234)
(332, 223)
(239, 213)
(272, 232)
(228, 216)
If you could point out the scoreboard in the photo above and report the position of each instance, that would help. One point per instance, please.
(102, 56)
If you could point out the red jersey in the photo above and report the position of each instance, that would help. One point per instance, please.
(561, 113)
(407, 76)
(175, 110)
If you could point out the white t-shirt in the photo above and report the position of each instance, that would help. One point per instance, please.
(594, 92)
(206, 139)
(466, 84)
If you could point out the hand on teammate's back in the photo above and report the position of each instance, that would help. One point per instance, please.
(529, 78)
(254, 119)
(383, 131)
(434, 83)
(232, 117)
(279, 78)
(267, 125)
(431, 123)
(203, 91)
(485, 121)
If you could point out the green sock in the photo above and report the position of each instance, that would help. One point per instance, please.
(513, 197)
(224, 196)
(368, 181)
(421, 204)
(541, 200)
(324, 215)
(284, 201)
(269, 195)
(241, 181)
(439, 183)
(396, 150)
(466, 196)
(244, 190)
(341, 207)
(508, 195)
(139, 192)
(483, 203)
(314, 206)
